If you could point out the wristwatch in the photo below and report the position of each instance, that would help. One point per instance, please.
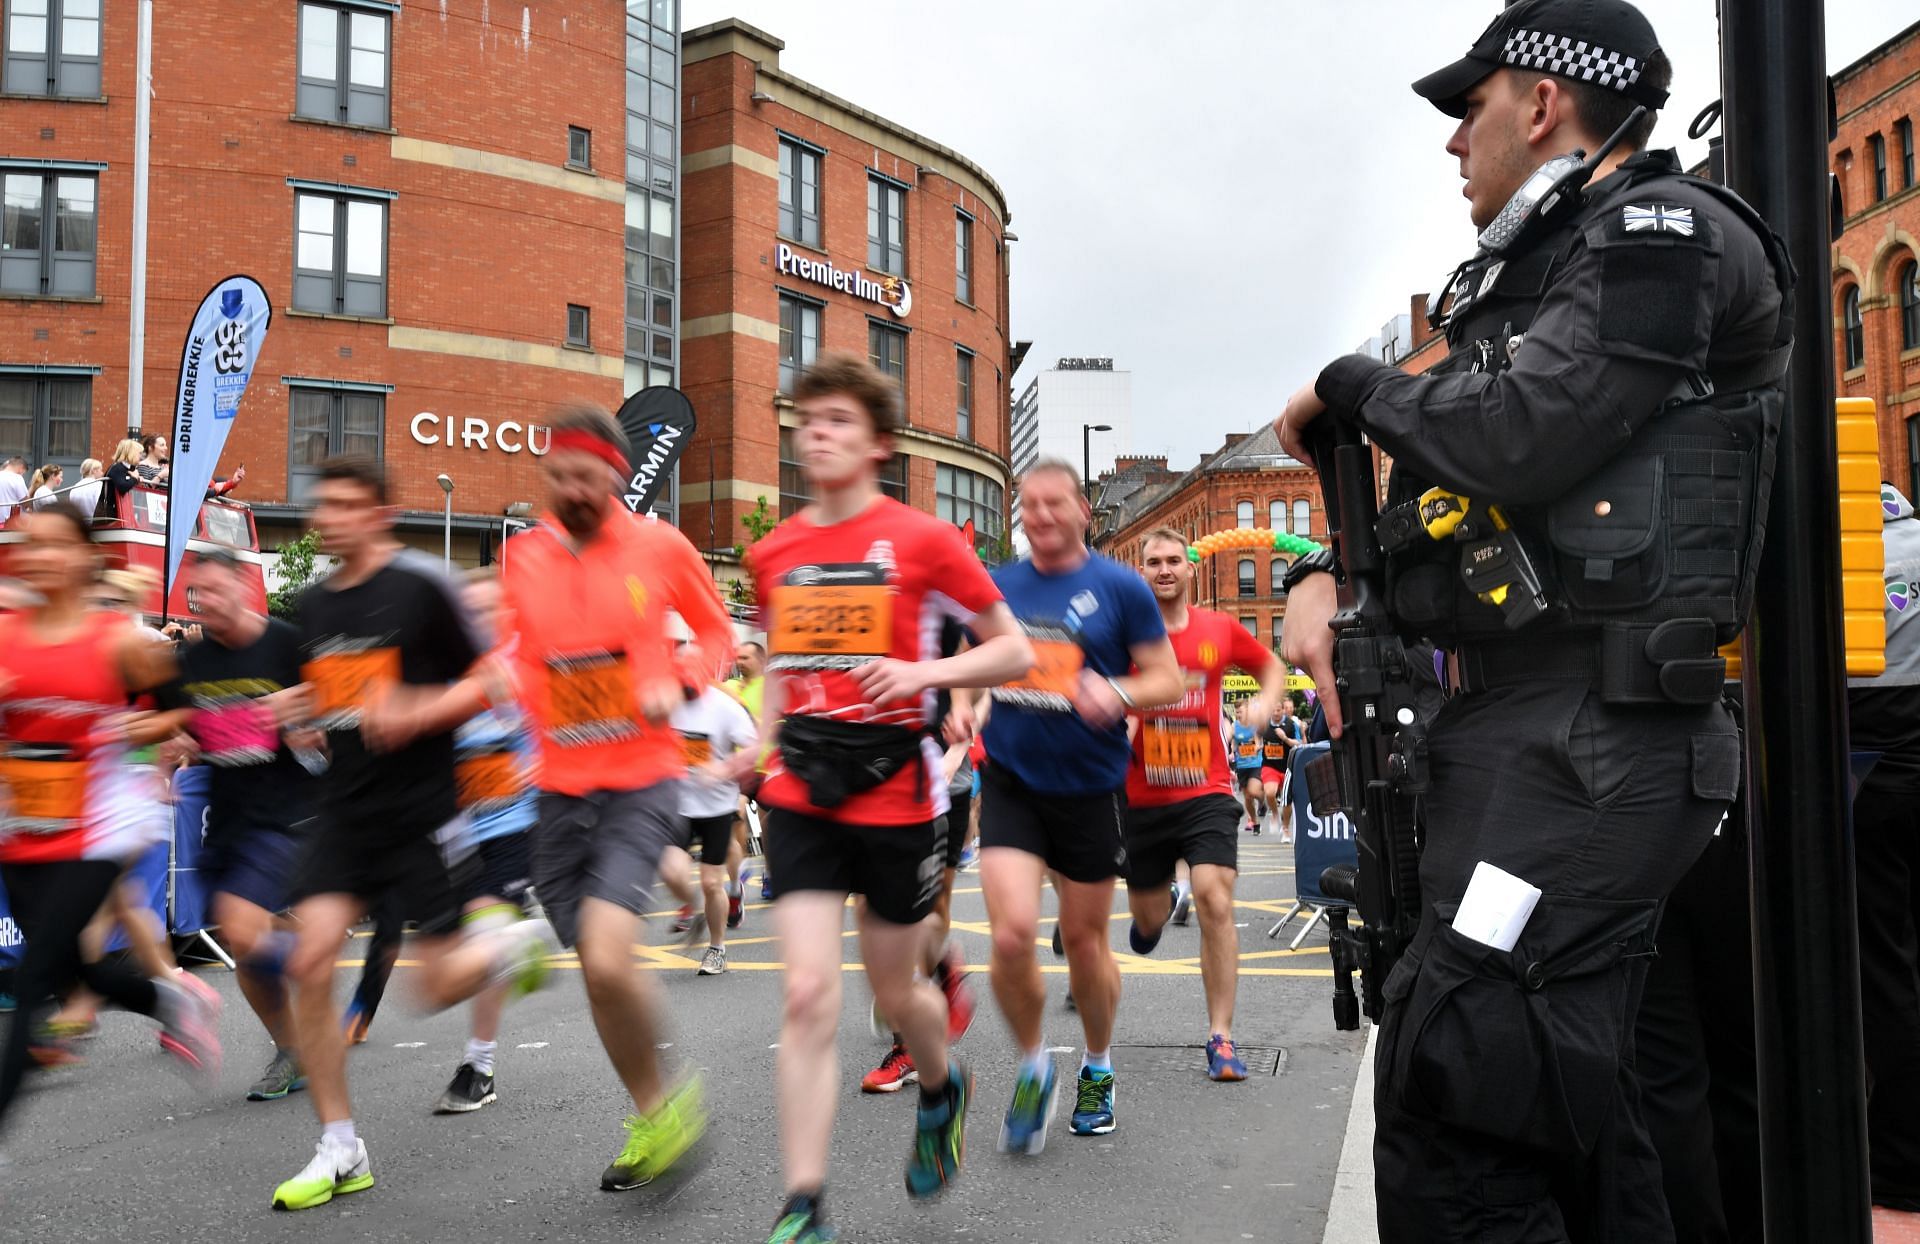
(1320, 561)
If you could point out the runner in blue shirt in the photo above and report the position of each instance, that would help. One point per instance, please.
(1054, 795)
(1246, 770)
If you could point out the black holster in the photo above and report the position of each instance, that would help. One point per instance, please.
(840, 759)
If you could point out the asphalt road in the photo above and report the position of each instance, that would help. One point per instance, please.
(121, 1150)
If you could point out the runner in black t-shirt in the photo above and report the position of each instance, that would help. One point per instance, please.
(378, 635)
(259, 798)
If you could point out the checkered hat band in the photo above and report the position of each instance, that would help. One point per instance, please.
(1571, 58)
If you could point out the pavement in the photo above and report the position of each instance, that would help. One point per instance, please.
(122, 1150)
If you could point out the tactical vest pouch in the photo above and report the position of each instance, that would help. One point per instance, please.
(1524, 1046)
(1608, 537)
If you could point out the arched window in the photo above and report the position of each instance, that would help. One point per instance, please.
(1302, 517)
(1277, 514)
(1276, 571)
(1248, 586)
(1909, 287)
(1243, 513)
(1852, 331)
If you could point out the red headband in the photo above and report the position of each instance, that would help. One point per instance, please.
(587, 443)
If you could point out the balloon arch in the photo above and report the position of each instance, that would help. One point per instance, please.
(1250, 538)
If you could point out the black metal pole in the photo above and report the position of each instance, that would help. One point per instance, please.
(1812, 1082)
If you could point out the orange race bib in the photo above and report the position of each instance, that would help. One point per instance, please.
(697, 748)
(44, 792)
(1175, 750)
(1248, 751)
(344, 681)
(488, 781)
(1276, 751)
(590, 699)
(831, 617)
(1055, 677)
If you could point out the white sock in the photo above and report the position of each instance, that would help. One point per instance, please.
(1036, 1061)
(340, 1132)
(480, 1055)
(1098, 1060)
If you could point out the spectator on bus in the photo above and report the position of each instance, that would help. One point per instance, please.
(86, 494)
(121, 475)
(154, 463)
(45, 484)
(13, 485)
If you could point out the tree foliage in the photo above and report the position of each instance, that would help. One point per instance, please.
(298, 569)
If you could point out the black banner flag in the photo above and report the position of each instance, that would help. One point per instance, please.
(658, 422)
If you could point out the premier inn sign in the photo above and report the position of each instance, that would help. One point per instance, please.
(889, 291)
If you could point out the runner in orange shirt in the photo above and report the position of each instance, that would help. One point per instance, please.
(584, 642)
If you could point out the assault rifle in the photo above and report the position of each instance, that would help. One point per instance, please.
(1378, 766)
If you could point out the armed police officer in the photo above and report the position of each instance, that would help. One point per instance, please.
(1603, 428)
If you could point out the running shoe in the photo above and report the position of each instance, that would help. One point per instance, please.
(1249, 827)
(1059, 943)
(73, 1029)
(951, 973)
(969, 857)
(683, 919)
(714, 962)
(190, 1031)
(1182, 904)
(695, 930)
(766, 892)
(337, 1169)
(940, 1136)
(521, 962)
(801, 1223)
(281, 1077)
(469, 1091)
(736, 908)
(1093, 1106)
(1025, 1127)
(659, 1138)
(1223, 1060)
(894, 1073)
(1140, 942)
(50, 1051)
(1071, 1004)
(356, 1022)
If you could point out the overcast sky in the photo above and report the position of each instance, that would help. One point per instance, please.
(1221, 195)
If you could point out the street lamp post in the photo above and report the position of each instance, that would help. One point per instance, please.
(1086, 454)
(446, 525)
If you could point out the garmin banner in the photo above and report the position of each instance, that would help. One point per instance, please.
(215, 365)
(1318, 842)
(658, 422)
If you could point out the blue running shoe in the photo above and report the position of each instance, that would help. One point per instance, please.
(940, 1136)
(802, 1223)
(1141, 943)
(1093, 1108)
(1025, 1128)
(1223, 1060)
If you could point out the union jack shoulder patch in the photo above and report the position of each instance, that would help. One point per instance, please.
(1658, 218)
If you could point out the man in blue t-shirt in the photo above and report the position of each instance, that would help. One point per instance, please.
(1053, 796)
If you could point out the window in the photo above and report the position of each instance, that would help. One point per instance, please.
(343, 65)
(963, 257)
(1302, 517)
(53, 48)
(1852, 331)
(1249, 586)
(1276, 576)
(47, 226)
(1913, 455)
(1904, 128)
(887, 349)
(1277, 515)
(1278, 621)
(963, 394)
(793, 477)
(1909, 287)
(960, 495)
(799, 338)
(800, 192)
(1243, 513)
(893, 478)
(886, 225)
(579, 147)
(340, 255)
(325, 422)
(1877, 145)
(579, 326)
(1252, 625)
(45, 418)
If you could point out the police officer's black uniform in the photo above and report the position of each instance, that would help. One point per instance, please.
(1613, 386)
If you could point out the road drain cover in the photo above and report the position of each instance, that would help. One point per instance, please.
(1261, 1060)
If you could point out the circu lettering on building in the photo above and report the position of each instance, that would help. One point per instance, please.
(507, 435)
(891, 292)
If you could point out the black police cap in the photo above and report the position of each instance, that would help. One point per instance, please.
(1604, 42)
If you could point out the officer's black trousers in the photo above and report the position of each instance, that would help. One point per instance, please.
(1886, 845)
(1506, 1104)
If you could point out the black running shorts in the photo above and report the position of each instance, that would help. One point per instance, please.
(1079, 836)
(1205, 830)
(715, 836)
(899, 868)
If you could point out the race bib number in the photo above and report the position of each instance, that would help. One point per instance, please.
(831, 617)
(343, 682)
(1055, 677)
(1248, 753)
(44, 793)
(697, 748)
(1176, 751)
(487, 781)
(590, 700)
(1276, 751)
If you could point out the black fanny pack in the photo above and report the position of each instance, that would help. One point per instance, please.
(840, 759)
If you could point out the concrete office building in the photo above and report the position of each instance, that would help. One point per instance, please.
(1049, 418)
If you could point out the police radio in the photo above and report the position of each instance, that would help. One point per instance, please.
(1553, 189)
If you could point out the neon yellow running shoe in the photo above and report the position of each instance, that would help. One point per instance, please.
(336, 1170)
(658, 1139)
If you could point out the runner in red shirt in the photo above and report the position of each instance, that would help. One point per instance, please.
(852, 593)
(1180, 803)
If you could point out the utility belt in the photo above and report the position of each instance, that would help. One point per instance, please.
(839, 759)
(1671, 662)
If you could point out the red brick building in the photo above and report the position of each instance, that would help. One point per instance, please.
(432, 197)
(1247, 482)
(811, 225)
(1876, 263)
